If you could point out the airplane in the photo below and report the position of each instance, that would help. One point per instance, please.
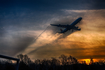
(69, 27)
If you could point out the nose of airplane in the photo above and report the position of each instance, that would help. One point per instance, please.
(80, 17)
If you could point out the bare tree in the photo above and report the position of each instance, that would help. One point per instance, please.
(63, 59)
(24, 58)
(20, 56)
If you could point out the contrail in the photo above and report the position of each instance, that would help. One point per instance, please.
(40, 34)
(35, 40)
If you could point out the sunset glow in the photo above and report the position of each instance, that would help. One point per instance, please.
(88, 61)
(25, 28)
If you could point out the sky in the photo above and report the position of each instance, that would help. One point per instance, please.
(25, 28)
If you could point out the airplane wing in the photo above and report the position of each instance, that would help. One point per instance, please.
(69, 27)
(64, 26)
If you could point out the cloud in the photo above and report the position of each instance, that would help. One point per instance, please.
(13, 42)
(76, 49)
(23, 21)
(81, 44)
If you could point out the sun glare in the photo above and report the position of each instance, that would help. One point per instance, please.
(87, 61)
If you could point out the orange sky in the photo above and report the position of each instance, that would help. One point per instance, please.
(89, 42)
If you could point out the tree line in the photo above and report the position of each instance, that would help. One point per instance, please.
(63, 63)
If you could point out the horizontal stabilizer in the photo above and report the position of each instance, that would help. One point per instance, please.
(79, 29)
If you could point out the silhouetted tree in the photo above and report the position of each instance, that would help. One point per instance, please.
(63, 59)
(37, 61)
(101, 62)
(68, 63)
(24, 58)
(20, 56)
(91, 61)
(84, 62)
(23, 66)
(55, 61)
(72, 60)
(68, 60)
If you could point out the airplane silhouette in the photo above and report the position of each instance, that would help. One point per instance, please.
(69, 27)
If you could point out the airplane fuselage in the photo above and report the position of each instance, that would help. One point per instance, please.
(76, 21)
(69, 27)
